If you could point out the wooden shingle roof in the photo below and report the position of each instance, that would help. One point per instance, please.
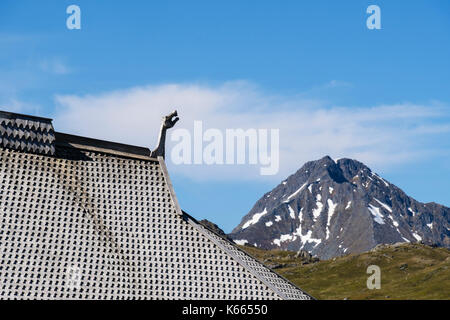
(100, 220)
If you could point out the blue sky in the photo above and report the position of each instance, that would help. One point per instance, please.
(315, 59)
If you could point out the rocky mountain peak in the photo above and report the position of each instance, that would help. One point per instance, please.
(333, 207)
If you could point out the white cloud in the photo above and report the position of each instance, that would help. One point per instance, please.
(19, 106)
(55, 66)
(379, 136)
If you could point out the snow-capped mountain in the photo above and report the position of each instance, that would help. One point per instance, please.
(330, 208)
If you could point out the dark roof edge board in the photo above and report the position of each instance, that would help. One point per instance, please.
(13, 115)
(200, 228)
(78, 142)
(163, 167)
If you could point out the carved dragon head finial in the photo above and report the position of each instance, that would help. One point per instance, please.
(167, 122)
(170, 120)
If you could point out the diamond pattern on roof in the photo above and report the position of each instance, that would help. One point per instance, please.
(91, 225)
(30, 134)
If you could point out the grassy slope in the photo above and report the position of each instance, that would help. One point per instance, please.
(427, 275)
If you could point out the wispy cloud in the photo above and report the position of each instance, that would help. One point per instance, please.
(54, 66)
(380, 136)
(20, 106)
(338, 83)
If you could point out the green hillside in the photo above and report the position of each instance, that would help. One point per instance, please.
(408, 271)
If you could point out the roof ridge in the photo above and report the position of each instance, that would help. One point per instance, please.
(105, 146)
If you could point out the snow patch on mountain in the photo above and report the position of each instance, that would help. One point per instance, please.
(348, 205)
(319, 207)
(418, 238)
(291, 212)
(331, 208)
(384, 205)
(378, 216)
(394, 222)
(307, 238)
(283, 238)
(296, 192)
(255, 218)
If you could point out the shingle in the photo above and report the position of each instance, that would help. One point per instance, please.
(20, 129)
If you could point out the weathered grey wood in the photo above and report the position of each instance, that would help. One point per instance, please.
(26, 133)
(167, 123)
